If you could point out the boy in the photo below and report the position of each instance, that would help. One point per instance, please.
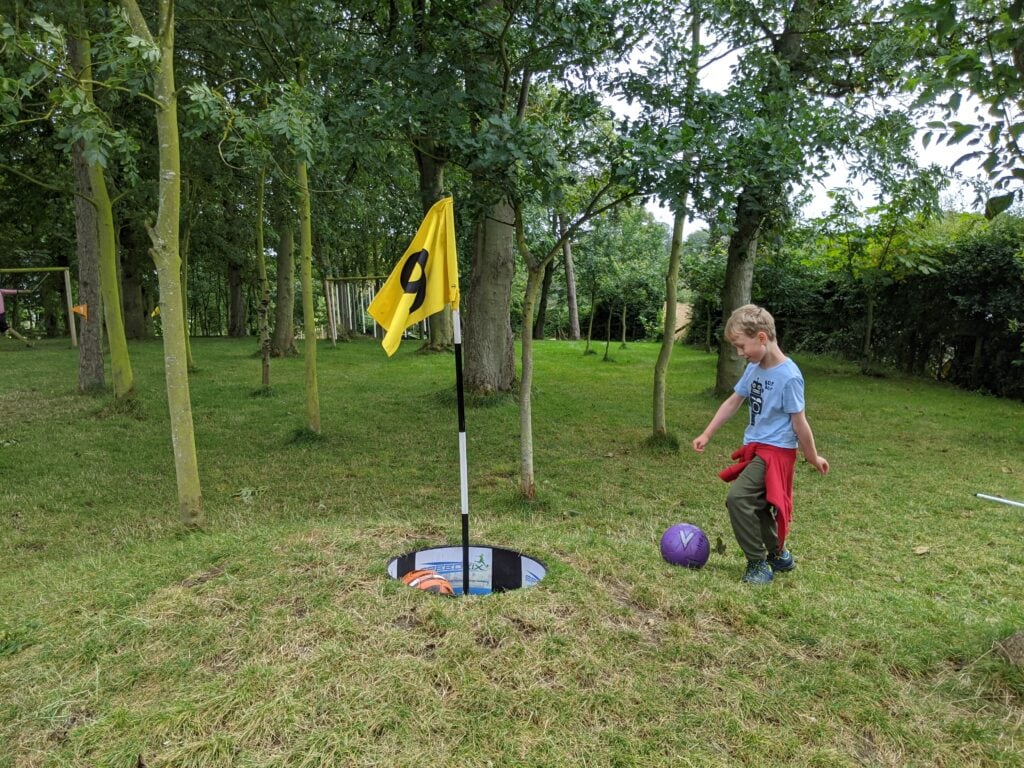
(760, 501)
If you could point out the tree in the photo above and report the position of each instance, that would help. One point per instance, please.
(502, 51)
(166, 256)
(871, 252)
(973, 47)
(676, 124)
(603, 198)
(803, 88)
(49, 87)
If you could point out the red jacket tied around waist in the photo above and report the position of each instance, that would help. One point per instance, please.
(778, 479)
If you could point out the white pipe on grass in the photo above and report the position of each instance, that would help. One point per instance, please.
(1000, 499)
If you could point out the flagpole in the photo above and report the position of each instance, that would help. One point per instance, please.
(463, 464)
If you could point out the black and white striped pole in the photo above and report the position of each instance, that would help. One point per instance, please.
(463, 463)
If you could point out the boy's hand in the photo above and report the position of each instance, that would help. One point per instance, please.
(700, 443)
(820, 463)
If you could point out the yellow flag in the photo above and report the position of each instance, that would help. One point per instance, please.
(425, 279)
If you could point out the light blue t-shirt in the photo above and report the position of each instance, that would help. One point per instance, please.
(773, 394)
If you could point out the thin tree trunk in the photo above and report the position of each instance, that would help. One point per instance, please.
(570, 284)
(261, 268)
(668, 329)
(607, 334)
(590, 321)
(186, 239)
(236, 301)
(542, 303)
(869, 327)
(308, 312)
(623, 344)
(165, 237)
(527, 482)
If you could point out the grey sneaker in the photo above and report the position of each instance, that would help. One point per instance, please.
(758, 572)
(782, 562)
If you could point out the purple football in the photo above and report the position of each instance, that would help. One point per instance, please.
(685, 544)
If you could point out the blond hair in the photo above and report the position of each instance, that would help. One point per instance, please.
(750, 320)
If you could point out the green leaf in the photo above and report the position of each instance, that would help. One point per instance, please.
(946, 22)
(996, 205)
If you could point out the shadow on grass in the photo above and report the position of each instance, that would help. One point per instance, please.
(131, 407)
(449, 397)
(661, 444)
(304, 436)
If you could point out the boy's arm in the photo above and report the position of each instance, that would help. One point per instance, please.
(806, 438)
(725, 412)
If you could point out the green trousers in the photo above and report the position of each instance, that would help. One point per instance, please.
(752, 517)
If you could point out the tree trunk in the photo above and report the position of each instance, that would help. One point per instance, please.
(261, 269)
(308, 313)
(869, 328)
(976, 359)
(186, 239)
(623, 344)
(668, 330)
(527, 481)
(120, 361)
(754, 201)
(739, 278)
(283, 343)
(90, 339)
(236, 302)
(431, 162)
(165, 237)
(110, 304)
(590, 322)
(570, 284)
(607, 334)
(135, 263)
(542, 303)
(490, 360)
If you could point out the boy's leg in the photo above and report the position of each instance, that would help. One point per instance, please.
(769, 530)
(747, 503)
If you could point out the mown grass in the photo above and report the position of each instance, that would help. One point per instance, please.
(273, 637)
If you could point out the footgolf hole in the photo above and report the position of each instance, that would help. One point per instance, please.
(491, 569)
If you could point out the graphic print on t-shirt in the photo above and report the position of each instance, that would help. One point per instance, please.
(756, 400)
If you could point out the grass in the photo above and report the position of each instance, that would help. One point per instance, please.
(273, 636)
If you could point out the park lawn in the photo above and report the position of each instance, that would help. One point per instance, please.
(273, 637)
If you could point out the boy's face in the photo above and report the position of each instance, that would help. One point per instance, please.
(753, 348)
